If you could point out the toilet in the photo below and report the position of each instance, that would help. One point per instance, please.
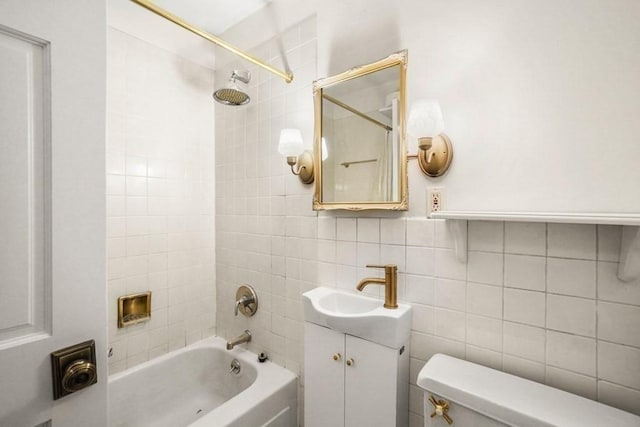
(463, 394)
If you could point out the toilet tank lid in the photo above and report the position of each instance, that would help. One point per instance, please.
(513, 400)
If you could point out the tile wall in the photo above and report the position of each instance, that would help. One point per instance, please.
(538, 300)
(160, 197)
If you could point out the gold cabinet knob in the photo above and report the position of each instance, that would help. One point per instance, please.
(337, 356)
(350, 361)
(440, 407)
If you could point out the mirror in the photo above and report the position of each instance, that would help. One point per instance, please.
(359, 150)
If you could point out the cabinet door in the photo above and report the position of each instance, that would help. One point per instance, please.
(371, 384)
(323, 377)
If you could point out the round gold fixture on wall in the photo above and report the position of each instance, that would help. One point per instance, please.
(434, 155)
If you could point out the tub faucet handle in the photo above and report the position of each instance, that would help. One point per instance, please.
(246, 301)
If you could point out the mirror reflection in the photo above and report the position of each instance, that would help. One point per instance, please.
(359, 124)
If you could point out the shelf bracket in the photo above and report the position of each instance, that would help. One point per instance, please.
(629, 265)
(458, 229)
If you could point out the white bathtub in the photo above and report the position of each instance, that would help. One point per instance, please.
(193, 387)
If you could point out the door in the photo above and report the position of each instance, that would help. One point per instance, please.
(323, 376)
(52, 213)
(371, 377)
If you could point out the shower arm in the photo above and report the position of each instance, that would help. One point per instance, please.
(286, 75)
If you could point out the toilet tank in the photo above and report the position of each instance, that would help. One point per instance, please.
(478, 396)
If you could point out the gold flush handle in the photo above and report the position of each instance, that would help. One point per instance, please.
(337, 356)
(351, 362)
(440, 407)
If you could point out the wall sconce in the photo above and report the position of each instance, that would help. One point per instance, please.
(292, 147)
(434, 147)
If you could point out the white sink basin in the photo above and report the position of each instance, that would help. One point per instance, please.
(358, 315)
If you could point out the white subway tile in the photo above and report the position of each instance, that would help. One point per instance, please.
(525, 272)
(368, 253)
(346, 253)
(484, 332)
(523, 368)
(419, 260)
(346, 229)
(368, 230)
(392, 231)
(449, 324)
(570, 314)
(619, 364)
(484, 357)
(448, 266)
(572, 382)
(571, 352)
(527, 238)
(524, 341)
(420, 289)
(572, 241)
(485, 300)
(394, 254)
(327, 227)
(443, 234)
(485, 267)
(618, 396)
(486, 236)
(619, 323)
(571, 277)
(610, 288)
(522, 306)
(423, 319)
(420, 232)
(450, 294)
(609, 238)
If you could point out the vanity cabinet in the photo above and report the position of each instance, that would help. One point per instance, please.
(352, 382)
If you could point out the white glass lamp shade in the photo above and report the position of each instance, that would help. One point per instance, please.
(290, 144)
(425, 119)
(325, 153)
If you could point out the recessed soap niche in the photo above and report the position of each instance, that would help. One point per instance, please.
(134, 308)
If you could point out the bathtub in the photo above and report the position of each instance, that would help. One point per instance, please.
(193, 387)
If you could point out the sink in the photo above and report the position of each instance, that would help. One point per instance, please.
(358, 315)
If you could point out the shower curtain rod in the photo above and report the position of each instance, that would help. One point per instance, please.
(356, 112)
(286, 75)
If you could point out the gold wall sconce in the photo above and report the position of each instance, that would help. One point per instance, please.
(292, 147)
(434, 147)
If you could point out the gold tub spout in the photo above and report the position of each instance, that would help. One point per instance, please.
(390, 283)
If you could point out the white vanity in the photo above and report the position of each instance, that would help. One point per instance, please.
(356, 360)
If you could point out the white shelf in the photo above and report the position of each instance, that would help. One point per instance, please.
(628, 267)
(573, 218)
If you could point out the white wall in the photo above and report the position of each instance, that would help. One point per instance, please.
(160, 197)
(538, 300)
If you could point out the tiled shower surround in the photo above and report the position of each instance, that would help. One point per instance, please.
(160, 198)
(538, 300)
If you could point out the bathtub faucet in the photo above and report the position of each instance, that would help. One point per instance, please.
(245, 337)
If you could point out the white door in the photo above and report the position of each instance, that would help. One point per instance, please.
(323, 376)
(52, 214)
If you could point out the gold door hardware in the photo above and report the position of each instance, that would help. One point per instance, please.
(134, 308)
(337, 356)
(351, 362)
(246, 301)
(390, 283)
(73, 368)
(440, 407)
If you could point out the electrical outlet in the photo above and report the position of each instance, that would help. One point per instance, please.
(435, 200)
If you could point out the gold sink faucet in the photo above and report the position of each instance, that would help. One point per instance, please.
(390, 283)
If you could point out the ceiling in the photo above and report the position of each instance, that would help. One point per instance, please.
(214, 16)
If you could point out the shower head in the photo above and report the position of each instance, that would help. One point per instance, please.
(235, 92)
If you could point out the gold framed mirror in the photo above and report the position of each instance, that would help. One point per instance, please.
(360, 156)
